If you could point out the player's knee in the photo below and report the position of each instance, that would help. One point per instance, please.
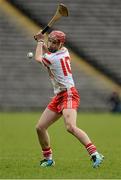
(70, 128)
(39, 128)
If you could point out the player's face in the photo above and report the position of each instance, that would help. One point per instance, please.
(53, 44)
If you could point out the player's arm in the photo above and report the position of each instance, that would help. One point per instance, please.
(39, 52)
(41, 48)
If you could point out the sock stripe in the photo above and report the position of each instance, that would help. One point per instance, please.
(88, 145)
(91, 148)
(47, 153)
(46, 149)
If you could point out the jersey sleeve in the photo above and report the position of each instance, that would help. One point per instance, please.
(47, 60)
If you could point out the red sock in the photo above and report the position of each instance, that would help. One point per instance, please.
(47, 153)
(91, 148)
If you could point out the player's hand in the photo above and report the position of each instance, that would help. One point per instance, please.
(39, 37)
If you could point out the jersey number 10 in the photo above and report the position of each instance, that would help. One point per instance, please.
(65, 64)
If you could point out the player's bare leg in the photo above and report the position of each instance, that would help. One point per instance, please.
(48, 117)
(70, 116)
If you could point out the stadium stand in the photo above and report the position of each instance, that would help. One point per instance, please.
(20, 80)
(97, 23)
(24, 84)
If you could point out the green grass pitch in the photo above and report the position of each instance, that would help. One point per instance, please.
(20, 152)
